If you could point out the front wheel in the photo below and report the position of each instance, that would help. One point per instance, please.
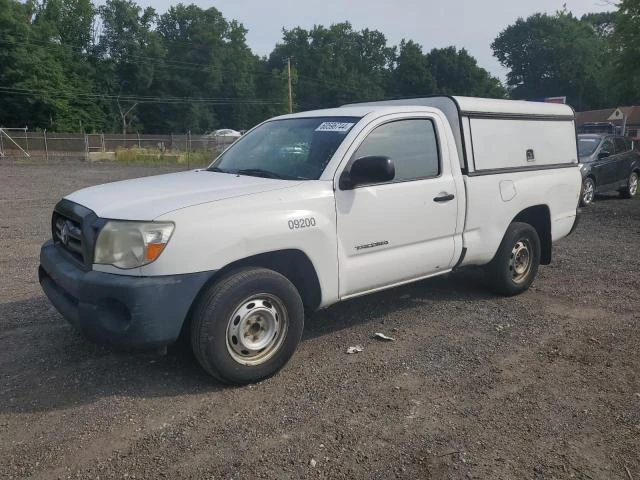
(588, 192)
(516, 263)
(246, 326)
(632, 186)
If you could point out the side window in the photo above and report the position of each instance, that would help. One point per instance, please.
(621, 145)
(607, 146)
(411, 144)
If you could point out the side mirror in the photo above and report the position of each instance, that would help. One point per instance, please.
(365, 170)
(604, 154)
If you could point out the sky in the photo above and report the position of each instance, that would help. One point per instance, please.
(470, 24)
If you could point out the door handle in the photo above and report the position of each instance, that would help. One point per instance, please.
(445, 197)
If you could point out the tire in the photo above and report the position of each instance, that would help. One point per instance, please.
(516, 263)
(247, 325)
(632, 186)
(588, 192)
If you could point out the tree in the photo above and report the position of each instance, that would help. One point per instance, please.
(626, 40)
(206, 58)
(457, 73)
(602, 22)
(43, 65)
(335, 65)
(126, 57)
(64, 29)
(552, 56)
(412, 75)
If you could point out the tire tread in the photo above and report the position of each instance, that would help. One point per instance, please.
(210, 301)
(495, 273)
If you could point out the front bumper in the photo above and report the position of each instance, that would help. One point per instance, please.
(118, 310)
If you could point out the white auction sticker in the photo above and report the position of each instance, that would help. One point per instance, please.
(334, 127)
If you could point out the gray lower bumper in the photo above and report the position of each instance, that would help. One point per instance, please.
(118, 310)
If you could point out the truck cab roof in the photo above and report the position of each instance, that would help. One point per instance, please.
(463, 106)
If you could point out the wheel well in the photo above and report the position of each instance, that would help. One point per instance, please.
(293, 264)
(539, 218)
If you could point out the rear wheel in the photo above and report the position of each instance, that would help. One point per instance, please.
(247, 325)
(588, 192)
(516, 263)
(632, 186)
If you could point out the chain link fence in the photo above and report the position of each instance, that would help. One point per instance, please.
(21, 143)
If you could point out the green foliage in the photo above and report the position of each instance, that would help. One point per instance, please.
(554, 55)
(442, 71)
(69, 65)
(147, 156)
(457, 73)
(602, 22)
(412, 75)
(335, 65)
(626, 40)
(72, 65)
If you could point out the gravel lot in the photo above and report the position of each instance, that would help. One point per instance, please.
(545, 385)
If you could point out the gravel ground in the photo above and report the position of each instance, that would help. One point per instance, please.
(545, 385)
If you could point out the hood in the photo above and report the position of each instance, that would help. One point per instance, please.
(148, 198)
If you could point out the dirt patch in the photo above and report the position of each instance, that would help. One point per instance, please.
(543, 385)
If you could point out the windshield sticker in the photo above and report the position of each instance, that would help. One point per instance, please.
(593, 140)
(334, 127)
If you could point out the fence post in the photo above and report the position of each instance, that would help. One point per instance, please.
(189, 150)
(46, 148)
(1, 144)
(138, 133)
(86, 147)
(102, 142)
(26, 140)
(171, 141)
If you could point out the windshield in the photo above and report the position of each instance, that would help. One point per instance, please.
(587, 145)
(296, 148)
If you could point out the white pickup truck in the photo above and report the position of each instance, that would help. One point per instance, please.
(309, 209)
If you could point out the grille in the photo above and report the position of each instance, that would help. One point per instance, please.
(68, 234)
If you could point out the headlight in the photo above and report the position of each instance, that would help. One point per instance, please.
(131, 244)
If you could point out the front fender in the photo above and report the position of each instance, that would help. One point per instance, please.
(211, 236)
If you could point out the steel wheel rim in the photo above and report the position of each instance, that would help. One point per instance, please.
(587, 192)
(521, 260)
(633, 184)
(257, 328)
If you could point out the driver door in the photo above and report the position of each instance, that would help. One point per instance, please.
(404, 229)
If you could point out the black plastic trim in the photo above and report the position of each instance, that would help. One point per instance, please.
(90, 225)
(518, 116)
(531, 168)
(461, 259)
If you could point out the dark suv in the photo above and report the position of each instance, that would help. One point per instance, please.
(608, 163)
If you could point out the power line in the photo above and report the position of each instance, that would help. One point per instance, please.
(139, 99)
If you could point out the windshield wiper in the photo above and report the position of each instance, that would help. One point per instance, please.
(256, 172)
(259, 172)
(218, 170)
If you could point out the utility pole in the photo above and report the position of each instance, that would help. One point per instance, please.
(289, 75)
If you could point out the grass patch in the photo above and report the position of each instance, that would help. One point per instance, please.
(144, 156)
